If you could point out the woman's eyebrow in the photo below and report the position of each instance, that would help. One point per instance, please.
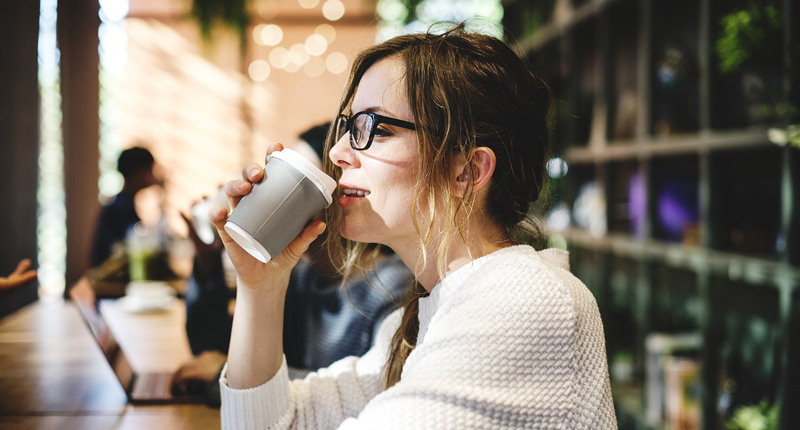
(375, 109)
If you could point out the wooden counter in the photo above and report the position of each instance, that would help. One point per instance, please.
(53, 374)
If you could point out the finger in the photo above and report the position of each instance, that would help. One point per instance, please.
(28, 276)
(253, 173)
(292, 253)
(235, 190)
(23, 265)
(273, 148)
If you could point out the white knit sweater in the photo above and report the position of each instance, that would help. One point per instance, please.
(510, 341)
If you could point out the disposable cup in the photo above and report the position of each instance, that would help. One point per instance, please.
(277, 209)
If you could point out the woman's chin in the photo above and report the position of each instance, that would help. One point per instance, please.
(356, 233)
(354, 236)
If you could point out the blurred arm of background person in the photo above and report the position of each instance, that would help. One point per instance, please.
(20, 276)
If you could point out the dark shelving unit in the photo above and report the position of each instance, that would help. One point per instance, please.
(699, 211)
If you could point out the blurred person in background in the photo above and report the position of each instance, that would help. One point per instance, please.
(323, 323)
(136, 166)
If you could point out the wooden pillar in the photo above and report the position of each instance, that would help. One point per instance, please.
(19, 143)
(78, 23)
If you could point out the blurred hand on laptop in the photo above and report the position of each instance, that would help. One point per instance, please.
(203, 369)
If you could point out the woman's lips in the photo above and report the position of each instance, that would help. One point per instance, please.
(351, 196)
(354, 192)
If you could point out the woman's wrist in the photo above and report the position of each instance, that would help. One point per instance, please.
(266, 286)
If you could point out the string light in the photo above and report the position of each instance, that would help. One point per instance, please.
(333, 10)
(259, 70)
(316, 45)
(315, 67)
(336, 62)
(327, 31)
(308, 4)
(271, 35)
(279, 57)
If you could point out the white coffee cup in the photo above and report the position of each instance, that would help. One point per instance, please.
(277, 209)
(146, 296)
(202, 225)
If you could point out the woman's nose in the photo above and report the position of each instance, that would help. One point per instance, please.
(342, 154)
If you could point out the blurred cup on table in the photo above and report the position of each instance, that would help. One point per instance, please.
(148, 296)
(146, 253)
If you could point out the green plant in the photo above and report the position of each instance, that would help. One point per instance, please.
(754, 417)
(229, 13)
(750, 36)
(782, 137)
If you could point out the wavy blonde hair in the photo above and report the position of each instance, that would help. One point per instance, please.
(465, 91)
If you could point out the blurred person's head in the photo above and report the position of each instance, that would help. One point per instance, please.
(312, 143)
(312, 146)
(136, 166)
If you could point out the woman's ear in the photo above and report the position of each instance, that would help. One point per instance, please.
(478, 170)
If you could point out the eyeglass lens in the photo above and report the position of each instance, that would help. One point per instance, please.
(360, 128)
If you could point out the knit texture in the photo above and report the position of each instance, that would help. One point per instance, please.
(511, 340)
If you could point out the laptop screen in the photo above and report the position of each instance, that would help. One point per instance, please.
(85, 299)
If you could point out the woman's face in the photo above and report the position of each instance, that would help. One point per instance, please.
(377, 184)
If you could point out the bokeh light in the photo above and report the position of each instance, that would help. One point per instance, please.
(271, 35)
(259, 70)
(333, 10)
(279, 57)
(480, 16)
(113, 10)
(298, 54)
(257, 34)
(336, 62)
(316, 45)
(308, 4)
(392, 10)
(327, 31)
(51, 224)
(557, 168)
(314, 67)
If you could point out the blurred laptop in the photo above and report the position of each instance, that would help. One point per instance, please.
(139, 387)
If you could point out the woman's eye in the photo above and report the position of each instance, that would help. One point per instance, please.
(382, 132)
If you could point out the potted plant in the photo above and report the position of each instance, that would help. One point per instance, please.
(750, 45)
(762, 416)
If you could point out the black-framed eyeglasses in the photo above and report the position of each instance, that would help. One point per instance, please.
(363, 125)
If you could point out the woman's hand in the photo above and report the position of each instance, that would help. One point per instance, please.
(253, 273)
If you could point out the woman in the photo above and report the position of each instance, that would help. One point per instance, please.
(440, 151)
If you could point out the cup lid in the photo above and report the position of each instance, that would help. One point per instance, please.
(325, 183)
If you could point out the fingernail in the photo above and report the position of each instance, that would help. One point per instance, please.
(216, 212)
(253, 172)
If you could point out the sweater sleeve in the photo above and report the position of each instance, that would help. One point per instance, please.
(323, 400)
